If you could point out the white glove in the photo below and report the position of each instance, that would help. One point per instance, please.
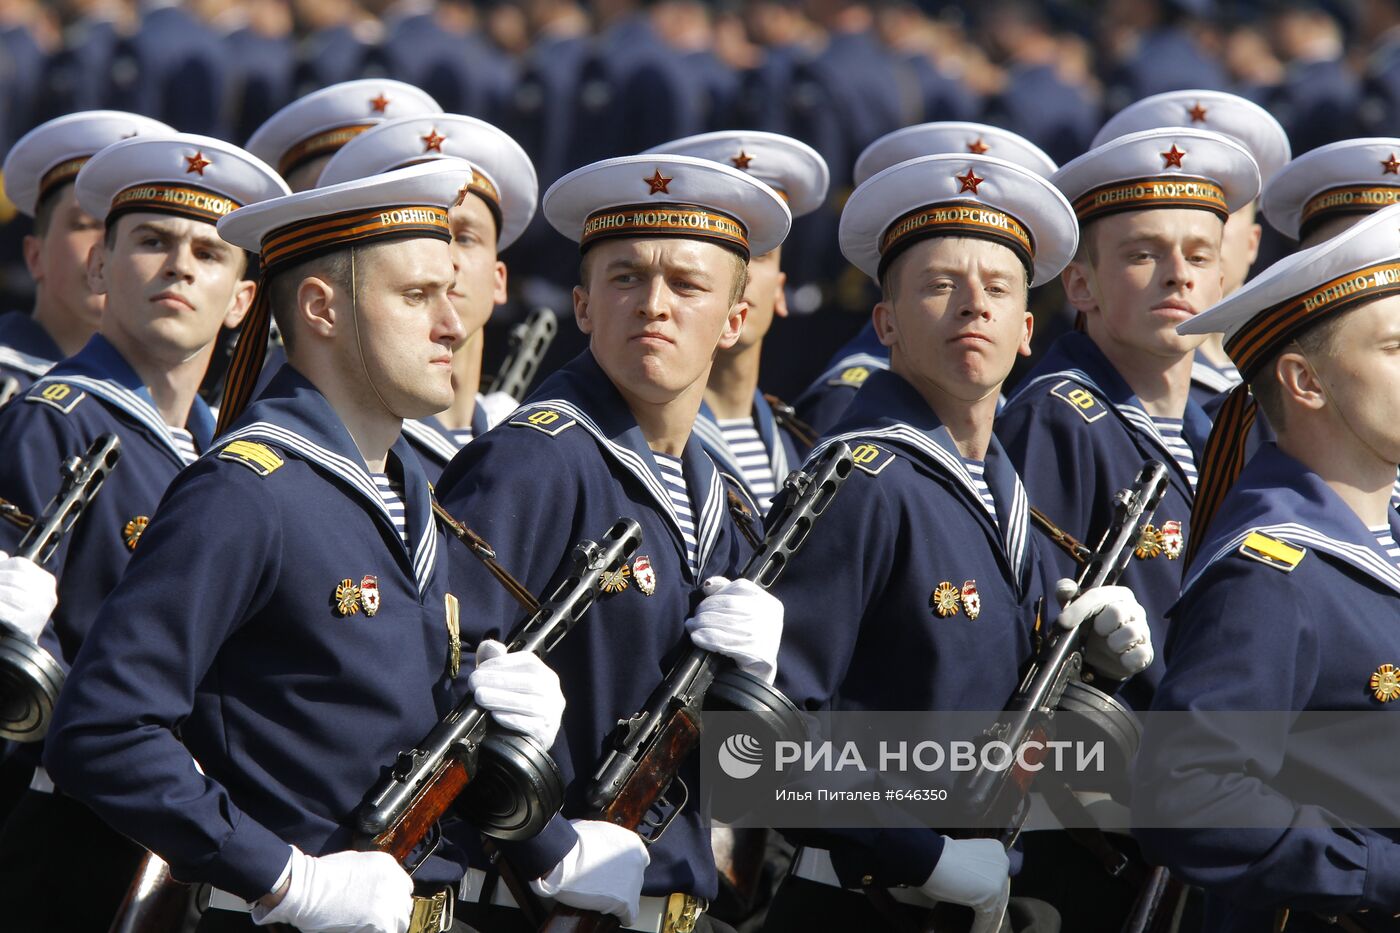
(1120, 644)
(975, 873)
(347, 892)
(520, 690)
(28, 595)
(602, 872)
(741, 620)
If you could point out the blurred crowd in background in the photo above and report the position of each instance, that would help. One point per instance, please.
(575, 82)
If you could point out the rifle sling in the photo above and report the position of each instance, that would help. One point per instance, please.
(487, 555)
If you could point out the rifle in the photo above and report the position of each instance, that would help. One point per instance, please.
(644, 754)
(154, 901)
(529, 340)
(1056, 678)
(515, 785)
(30, 679)
(9, 388)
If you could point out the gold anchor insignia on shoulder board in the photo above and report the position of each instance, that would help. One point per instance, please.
(454, 634)
(347, 598)
(852, 376)
(134, 529)
(944, 600)
(615, 581)
(1385, 683)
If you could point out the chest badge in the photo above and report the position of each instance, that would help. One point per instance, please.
(1156, 542)
(643, 575)
(369, 594)
(347, 598)
(615, 581)
(1385, 683)
(133, 530)
(971, 601)
(945, 599)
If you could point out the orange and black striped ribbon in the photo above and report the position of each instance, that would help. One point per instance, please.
(1221, 463)
(296, 243)
(65, 171)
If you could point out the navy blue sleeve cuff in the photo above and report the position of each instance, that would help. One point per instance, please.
(536, 857)
(889, 857)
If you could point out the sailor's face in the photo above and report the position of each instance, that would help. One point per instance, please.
(481, 277)
(657, 310)
(58, 259)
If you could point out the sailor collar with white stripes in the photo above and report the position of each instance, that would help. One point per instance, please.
(1279, 497)
(581, 393)
(1077, 358)
(100, 370)
(432, 436)
(888, 410)
(292, 416)
(26, 346)
(711, 435)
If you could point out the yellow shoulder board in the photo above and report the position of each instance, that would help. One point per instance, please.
(257, 457)
(871, 458)
(850, 376)
(548, 420)
(58, 395)
(1275, 552)
(1080, 399)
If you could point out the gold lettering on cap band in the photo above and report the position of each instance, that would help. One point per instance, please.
(62, 172)
(1257, 341)
(319, 145)
(1145, 193)
(304, 238)
(1349, 199)
(952, 219)
(181, 200)
(672, 220)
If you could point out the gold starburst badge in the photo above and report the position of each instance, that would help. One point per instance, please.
(347, 598)
(1385, 683)
(1149, 543)
(132, 531)
(944, 600)
(615, 581)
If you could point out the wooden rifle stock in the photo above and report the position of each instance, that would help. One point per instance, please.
(433, 800)
(154, 903)
(628, 809)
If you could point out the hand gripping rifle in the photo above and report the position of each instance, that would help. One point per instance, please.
(30, 679)
(1055, 679)
(645, 752)
(509, 786)
(529, 341)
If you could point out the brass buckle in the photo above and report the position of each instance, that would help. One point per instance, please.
(432, 914)
(682, 913)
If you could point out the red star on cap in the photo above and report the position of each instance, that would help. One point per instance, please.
(1197, 113)
(197, 163)
(1391, 166)
(742, 160)
(658, 183)
(380, 104)
(969, 182)
(433, 141)
(977, 147)
(1172, 157)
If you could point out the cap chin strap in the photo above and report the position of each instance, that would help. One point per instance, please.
(359, 345)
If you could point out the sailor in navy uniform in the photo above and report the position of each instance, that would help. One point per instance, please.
(38, 173)
(1325, 190)
(171, 285)
(665, 241)
(300, 139)
(1285, 606)
(751, 436)
(1252, 127)
(1152, 208)
(500, 203)
(947, 580)
(824, 401)
(287, 626)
